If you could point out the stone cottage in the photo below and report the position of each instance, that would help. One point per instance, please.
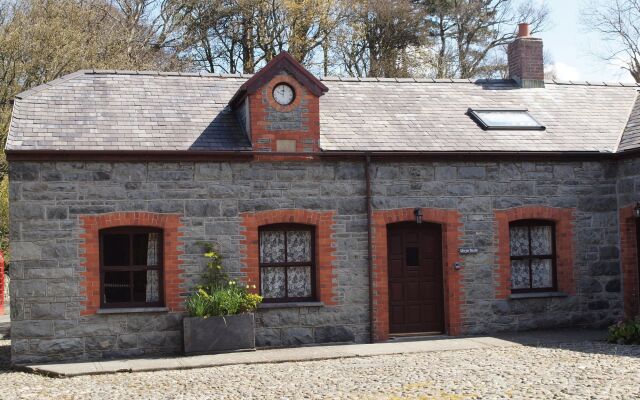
(362, 209)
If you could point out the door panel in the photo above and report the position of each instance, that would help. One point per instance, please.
(416, 299)
(638, 250)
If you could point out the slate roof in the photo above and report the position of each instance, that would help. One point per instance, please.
(128, 110)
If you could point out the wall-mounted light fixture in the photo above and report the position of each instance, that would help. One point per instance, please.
(636, 210)
(418, 213)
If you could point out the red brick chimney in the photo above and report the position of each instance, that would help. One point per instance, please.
(526, 65)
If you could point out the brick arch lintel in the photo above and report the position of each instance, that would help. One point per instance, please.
(325, 245)
(90, 250)
(449, 220)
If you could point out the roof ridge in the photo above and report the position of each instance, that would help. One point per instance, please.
(200, 74)
(328, 78)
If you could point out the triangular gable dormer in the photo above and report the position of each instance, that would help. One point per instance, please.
(279, 107)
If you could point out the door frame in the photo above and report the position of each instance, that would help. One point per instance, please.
(630, 260)
(406, 225)
(449, 221)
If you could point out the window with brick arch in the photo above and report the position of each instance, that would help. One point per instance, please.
(131, 267)
(287, 262)
(533, 256)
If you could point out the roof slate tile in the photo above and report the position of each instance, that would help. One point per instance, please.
(147, 110)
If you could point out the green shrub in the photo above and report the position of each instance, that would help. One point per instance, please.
(219, 296)
(625, 332)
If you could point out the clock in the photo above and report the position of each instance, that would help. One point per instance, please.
(283, 94)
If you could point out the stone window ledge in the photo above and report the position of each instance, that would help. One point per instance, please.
(133, 310)
(297, 304)
(536, 295)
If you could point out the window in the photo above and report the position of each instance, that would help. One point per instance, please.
(130, 267)
(287, 266)
(505, 119)
(412, 257)
(532, 246)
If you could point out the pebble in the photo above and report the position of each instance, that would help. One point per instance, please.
(590, 370)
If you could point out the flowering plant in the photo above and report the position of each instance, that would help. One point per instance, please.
(219, 296)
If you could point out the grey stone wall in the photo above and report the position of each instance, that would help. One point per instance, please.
(629, 181)
(47, 198)
(628, 184)
(477, 190)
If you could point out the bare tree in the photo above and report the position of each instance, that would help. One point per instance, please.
(468, 33)
(377, 37)
(149, 25)
(617, 22)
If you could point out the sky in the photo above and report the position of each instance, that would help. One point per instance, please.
(576, 53)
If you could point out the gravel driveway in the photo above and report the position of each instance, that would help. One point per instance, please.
(587, 370)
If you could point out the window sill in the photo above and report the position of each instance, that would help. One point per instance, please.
(296, 304)
(133, 310)
(538, 295)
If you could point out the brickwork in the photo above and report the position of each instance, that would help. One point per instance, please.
(48, 202)
(564, 221)
(629, 261)
(323, 221)
(628, 195)
(90, 249)
(2, 284)
(299, 121)
(526, 60)
(477, 190)
(453, 291)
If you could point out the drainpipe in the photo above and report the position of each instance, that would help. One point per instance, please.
(367, 177)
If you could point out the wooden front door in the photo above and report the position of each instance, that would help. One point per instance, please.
(416, 300)
(638, 251)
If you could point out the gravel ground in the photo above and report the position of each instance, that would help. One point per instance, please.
(587, 370)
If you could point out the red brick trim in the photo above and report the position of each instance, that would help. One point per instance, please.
(325, 246)
(90, 247)
(450, 223)
(291, 81)
(264, 138)
(629, 261)
(564, 220)
(1, 283)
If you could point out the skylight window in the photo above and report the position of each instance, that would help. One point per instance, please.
(505, 119)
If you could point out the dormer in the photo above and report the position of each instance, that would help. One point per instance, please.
(279, 107)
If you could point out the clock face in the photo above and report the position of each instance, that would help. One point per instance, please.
(283, 94)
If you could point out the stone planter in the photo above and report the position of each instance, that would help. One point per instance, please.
(219, 334)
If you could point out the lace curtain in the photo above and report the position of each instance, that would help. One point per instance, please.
(529, 272)
(282, 247)
(153, 276)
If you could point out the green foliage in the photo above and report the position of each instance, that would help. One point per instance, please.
(625, 332)
(4, 215)
(214, 277)
(219, 296)
(41, 40)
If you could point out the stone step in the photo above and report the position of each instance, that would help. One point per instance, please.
(5, 330)
(5, 326)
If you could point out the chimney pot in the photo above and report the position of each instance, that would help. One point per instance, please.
(524, 30)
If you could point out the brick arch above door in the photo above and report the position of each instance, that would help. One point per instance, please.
(449, 220)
